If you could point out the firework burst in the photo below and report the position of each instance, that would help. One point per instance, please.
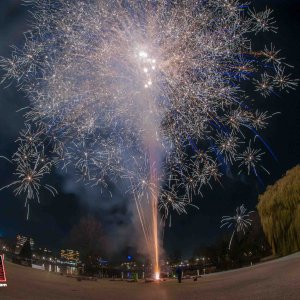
(239, 222)
(119, 88)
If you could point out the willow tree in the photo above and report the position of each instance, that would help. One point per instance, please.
(279, 210)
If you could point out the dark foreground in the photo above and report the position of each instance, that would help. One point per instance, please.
(278, 279)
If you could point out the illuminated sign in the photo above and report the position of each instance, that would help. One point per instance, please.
(2, 272)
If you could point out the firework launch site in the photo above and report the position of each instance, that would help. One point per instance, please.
(277, 279)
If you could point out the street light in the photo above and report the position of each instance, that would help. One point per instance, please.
(203, 258)
(198, 273)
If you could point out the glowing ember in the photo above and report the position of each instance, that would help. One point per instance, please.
(156, 276)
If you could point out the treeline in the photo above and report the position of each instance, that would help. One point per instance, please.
(279, 209)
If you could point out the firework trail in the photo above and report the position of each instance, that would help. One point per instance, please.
(152, 92)
(240, 221)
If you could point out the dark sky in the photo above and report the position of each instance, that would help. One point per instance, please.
(51, 220)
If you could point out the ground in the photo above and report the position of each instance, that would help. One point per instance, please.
(278, 279)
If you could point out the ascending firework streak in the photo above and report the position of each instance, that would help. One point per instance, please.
(240, 221)
(128, 89)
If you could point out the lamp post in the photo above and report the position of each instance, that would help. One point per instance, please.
(198, 272)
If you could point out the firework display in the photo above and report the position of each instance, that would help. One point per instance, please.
(240, 221)
(152, 92)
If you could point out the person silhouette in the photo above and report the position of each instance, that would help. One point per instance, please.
(179, 274)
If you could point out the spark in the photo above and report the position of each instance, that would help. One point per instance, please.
(240, 221)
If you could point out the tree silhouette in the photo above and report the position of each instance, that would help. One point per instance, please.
(279, 210)
(26, 251)
(249, 247)
(87, 237)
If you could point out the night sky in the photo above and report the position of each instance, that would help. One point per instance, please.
(51, 220)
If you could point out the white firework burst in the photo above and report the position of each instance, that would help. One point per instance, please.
(142, 90)
(239, 222)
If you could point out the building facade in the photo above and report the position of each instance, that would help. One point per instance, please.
(20, 241)
(69, 255)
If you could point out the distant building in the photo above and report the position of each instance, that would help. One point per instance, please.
(6, 245)
(69, 255)
(43, 253)
(21, 241)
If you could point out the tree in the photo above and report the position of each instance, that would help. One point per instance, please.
(279, 210)
(175, 257)
(87, 237)
(247, 247)
(26, 251)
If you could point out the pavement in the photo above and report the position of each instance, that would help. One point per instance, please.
(277, 279)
